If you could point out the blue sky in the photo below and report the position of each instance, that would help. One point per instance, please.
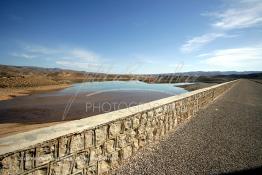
(133, 36)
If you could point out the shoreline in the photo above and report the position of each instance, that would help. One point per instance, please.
(10, 93)
(196, 86)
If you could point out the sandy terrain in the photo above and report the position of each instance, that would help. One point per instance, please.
(9, 93)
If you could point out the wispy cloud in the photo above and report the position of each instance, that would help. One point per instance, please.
(23, 55)
(78, 65)
(199, 41)
(238, 15)
(246, 14)
(84, 54)
(68, 57)
(203, 55)
(40, 50)
(74, 53)
(244, 58)
(145, 59)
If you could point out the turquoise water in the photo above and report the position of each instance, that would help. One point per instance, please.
(105, 86)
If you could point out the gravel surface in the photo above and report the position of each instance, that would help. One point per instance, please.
(225, 137)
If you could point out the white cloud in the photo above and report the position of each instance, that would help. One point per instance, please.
(199, 41)
(83, 54)
(41, 50)
(35, 51)
(86, 66)
(244, 58)
(246, 14)
(145, 59)
(23, 55)
(78, 65)
(238, 15)
(67, 57)
(73, 53)
(203, 55)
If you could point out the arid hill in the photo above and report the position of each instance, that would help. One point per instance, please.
(23, 76)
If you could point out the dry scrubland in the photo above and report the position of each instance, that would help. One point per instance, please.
(17, 81)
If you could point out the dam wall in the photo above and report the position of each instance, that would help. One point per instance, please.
(99, 144)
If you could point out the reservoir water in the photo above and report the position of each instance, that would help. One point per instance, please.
(128, 86)
(78, 101)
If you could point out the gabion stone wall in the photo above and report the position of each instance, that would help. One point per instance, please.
(101, 149)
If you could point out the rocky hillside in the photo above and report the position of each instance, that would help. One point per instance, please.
(22, 76)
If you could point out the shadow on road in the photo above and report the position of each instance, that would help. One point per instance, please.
(251, 171)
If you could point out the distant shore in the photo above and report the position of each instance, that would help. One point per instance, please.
(196, 86)
(9, 93)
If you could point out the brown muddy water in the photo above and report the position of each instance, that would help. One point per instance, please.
(76, 102)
